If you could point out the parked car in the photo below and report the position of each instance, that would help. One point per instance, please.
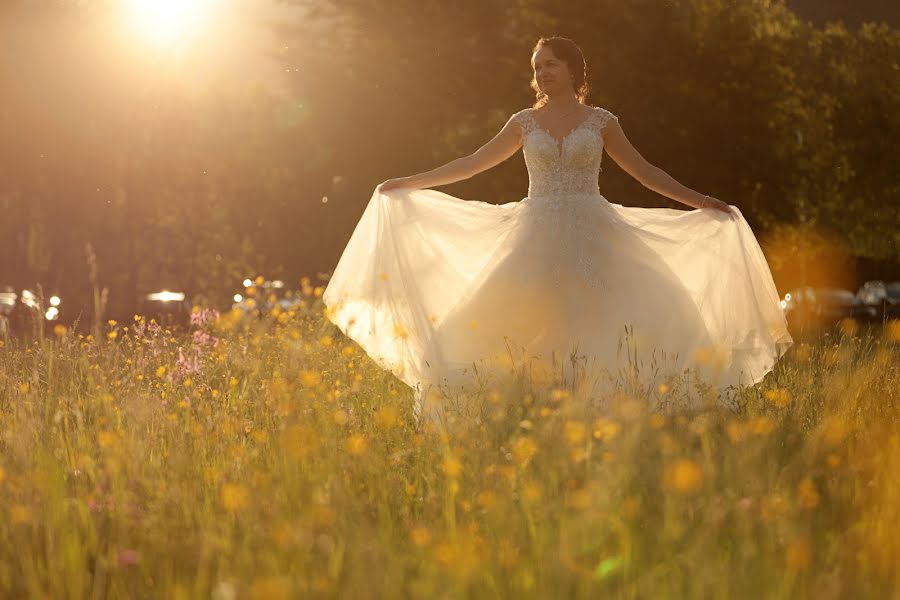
(883, 297)
(20, 312)
(818, 306)
(167, 307)
(264, 295)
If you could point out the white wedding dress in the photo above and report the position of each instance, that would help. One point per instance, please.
(430, 284)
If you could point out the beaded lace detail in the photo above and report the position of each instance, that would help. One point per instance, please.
(567, 166)
(562, 181)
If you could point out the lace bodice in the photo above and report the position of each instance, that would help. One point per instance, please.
(567, 166)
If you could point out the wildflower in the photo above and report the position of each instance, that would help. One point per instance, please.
(524, 448)
(606, 429)
(657, 421)
(683, 476)
(762, 425)
(234, 497)
(60, 330)
(892, 330)
(310, 378)
(575, 432)
(357, 444)
(835, 429)
(326, 340)
(340, 416)
(106, 439)
(129, 558)
(487, 499)
(559, 394)
(420, 536)
(779, 397)
(848, 326)
(807, 495)
(348, 351)
(271, 588)
(112, 334)
(662, 388)
(387, 416)
(735, 431)
(20, 514)
(452, 467)
(112, 322)
(798, 555)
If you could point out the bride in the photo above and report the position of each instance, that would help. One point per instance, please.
(435, 288)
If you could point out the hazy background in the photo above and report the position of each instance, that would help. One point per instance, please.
(193, 147)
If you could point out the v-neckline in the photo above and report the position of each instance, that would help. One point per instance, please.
(560, 143)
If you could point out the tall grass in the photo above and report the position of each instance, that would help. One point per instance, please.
(269, 458)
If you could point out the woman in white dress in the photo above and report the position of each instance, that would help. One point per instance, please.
(431, 285)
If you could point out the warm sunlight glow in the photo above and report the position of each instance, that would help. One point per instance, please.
(168, 22)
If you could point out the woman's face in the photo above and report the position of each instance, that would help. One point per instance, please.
(551, 73)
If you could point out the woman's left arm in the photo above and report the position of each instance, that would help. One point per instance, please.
(652, 177)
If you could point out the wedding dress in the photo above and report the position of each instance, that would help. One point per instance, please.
(433, 287)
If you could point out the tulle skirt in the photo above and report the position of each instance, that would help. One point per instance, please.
(436, 289)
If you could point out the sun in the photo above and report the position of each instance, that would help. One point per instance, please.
(168, 22)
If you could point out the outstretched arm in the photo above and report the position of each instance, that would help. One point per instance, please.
(626, 156)
(495, 151)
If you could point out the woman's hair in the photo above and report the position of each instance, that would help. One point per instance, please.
(567, 51)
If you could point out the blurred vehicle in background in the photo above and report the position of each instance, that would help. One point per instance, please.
(814, 307)
(166, 307)
(883, 297)
(264, 295)
(26, 311)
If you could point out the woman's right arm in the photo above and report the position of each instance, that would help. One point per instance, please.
(495, 151)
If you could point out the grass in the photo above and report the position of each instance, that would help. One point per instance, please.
(269, 458)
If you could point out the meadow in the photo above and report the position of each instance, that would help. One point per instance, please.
(268, 457)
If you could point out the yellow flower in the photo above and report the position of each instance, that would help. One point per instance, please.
(357, 444)
(112, 322)
(112, 334)
(762, 425)
(807, 495)
(452, 467)
(326, 340)
(234, 497)
(606, 429)
(779, 397)
(683, 476)
(892, 330)
(575, 432)
(106, 439)
(487, 499)
(735, 431)
(559, 394)
(60, 330)
(232, 382)
(20, 514)
(160, 372)
(798, 555)
(387, 416)
(310, 378)
(662, 388)
(835, 429)
(340, 416)
(524, 448)
(420, 536)
(348, 351)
